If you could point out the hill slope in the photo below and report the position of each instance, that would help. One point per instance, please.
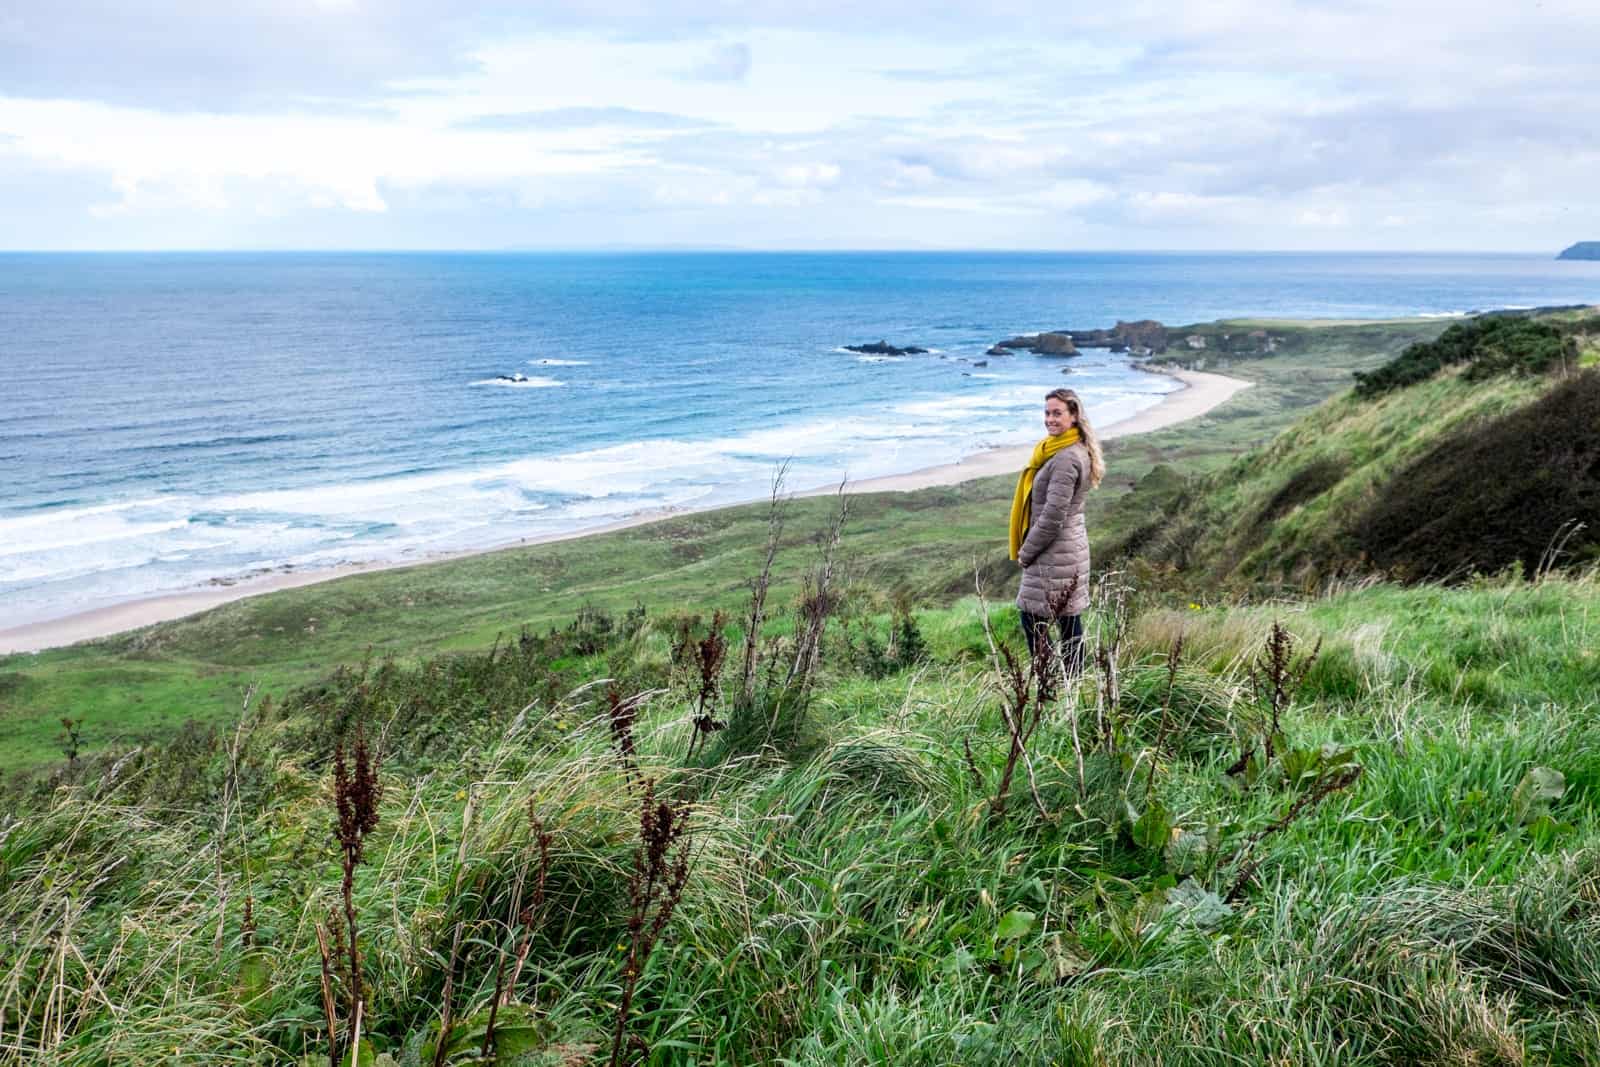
(1386, 884)
(1448, 466)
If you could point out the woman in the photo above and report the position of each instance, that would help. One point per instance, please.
(1048, 536)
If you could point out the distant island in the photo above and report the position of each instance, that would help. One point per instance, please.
(1582, 250)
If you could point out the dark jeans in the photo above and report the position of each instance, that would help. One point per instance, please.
(1071, 647)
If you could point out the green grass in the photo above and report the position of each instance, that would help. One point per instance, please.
(1250, 523)
(851, 901)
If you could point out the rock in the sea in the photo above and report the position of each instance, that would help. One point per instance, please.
(996, 350)
(980, 363)
(1042, 344)
(1582, 250)
(884, 348)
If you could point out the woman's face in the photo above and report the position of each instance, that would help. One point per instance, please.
(1057, 419)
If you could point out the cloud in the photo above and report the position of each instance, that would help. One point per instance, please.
(724, 63)
(248, 55)
(571, 118)
(971, 205)
(808, 175)
(1235, 124)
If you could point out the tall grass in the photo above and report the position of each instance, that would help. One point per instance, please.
(853, 898)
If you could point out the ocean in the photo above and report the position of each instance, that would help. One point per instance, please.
(173, 420)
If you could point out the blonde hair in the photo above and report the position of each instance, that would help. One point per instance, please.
(1097, 463)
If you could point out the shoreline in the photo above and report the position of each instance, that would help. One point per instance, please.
(1202, 391)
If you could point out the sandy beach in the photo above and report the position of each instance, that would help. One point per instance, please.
(1202, 392)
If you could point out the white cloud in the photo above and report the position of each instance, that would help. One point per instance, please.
(808, 175)
(1153, 124)
(724, 63)
(332, 160)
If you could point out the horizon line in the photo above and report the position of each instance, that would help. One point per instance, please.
(745, 250)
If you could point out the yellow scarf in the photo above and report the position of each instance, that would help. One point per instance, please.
(1022, 502)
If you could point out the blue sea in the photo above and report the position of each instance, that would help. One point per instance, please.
(173, 420)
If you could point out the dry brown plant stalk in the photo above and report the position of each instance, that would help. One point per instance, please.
(1115, 623)
(776, 516)
(1277, 677)
(542, 839)
(328, 1011)
(1174, 659)
(660, 872)
(818, 602)
(523, 918)
(1018, 693)
(230, 796)
(1333, 783)
(357, 793)
(622, 712)
(709, 653)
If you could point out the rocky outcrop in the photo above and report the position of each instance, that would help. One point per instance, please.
(1040, 344)
(1582, 250)
(884, 348)
(1145, 333)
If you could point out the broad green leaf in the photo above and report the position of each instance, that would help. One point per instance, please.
(1299, 762)
(1539, 788)
(255, 976)
(1193, 903)
(959, 960)
(1187, 852)
(1014, 924)
(1153, 829)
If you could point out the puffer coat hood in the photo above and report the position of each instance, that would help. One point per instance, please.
(1055, 554)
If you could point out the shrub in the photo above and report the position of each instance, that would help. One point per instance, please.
(1489, 345)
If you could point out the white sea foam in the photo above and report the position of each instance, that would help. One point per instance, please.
(159, 544)
(521, 383)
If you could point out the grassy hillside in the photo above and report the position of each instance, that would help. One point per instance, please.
(1440, 465)
(1412, 876)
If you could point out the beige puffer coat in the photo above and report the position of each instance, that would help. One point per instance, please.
(1055, 553)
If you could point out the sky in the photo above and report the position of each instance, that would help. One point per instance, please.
(427, 124)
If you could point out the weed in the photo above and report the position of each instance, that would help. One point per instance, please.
(357, 792)
(71, 740)
(1276, 675)
(660, 873)
(756, 618)
(622, 713)
(707, 656)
